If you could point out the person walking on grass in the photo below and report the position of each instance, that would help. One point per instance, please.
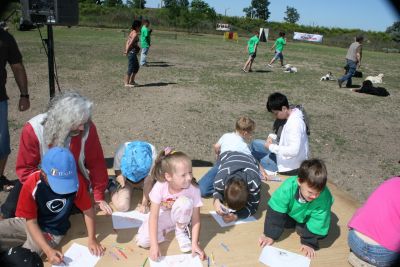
(145, 41)
(353, 61)
(278, 46)
(131, 50)
(252, 45)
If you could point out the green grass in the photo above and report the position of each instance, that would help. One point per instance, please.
(354, 133)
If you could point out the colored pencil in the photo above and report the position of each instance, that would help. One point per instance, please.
(120, 252)
(113, 255)
(144, 263)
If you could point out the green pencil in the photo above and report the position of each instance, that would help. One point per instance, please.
(145, 261)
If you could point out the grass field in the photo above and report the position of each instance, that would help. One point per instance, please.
(195, 89)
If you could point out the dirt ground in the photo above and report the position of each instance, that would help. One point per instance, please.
(188, 103)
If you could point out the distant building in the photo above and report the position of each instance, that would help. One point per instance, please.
(223, 27)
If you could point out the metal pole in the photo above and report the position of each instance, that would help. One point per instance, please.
(50, 59)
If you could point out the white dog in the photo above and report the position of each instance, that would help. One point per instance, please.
(289, 69)
(375, 79)
(328, 77)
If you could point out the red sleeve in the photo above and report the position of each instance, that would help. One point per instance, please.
(28, 157)
(26, 207)
(96, 164)
(82, 200)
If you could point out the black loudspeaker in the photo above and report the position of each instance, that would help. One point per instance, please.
(54, 12)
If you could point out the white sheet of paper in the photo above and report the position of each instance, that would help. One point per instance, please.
(276, 257)
(129, 219)
(78, 256)
(182, 260)
(221, 222)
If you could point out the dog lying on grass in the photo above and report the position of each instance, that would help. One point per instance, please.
(368, 88)
(375, 79)
(289, 69)
(328, 77)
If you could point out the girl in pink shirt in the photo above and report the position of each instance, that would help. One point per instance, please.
(374, 234)
(175, 202)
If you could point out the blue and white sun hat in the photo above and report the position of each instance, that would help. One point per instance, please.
(137, 160)
(60, 167)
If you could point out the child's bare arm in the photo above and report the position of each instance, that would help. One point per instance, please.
(196, 249)
(153, 229)
(147, 186)
(94, 246)
(53, 256)
(217, 149)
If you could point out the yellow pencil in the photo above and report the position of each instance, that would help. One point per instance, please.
(212, 258)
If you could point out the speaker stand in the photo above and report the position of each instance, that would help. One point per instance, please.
(50, 59)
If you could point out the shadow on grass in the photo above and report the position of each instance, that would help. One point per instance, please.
(263, 71)
(155, 84)
(162, 65)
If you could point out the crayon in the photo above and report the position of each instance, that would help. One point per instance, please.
(208, 261)
(113, 255)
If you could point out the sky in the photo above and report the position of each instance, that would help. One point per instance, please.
(374, 15)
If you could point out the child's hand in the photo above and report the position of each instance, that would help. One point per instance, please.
(196, 249)
(95, 247)
(230, 217)
(265, 241)
(121, 180)
(143, 208)
(54, 256)
(217, 207)
(154, 253)
(308, 251)
(268, 142)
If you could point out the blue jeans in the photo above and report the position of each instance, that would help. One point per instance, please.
(206, 182)
(4, 133)
(143, 55)
(263, 155)
(352, 66)
(374, 254)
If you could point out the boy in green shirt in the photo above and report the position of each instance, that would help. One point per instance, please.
(303, 202)
(279, 45)
(252, 50)
(145, 41)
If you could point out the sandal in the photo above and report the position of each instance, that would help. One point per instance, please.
(5, 184)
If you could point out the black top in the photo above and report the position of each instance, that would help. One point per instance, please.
(9, 52)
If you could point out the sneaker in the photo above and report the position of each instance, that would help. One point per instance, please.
(184, 242)
(269, 65)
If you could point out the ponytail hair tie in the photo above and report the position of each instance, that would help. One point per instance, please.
(169, 151)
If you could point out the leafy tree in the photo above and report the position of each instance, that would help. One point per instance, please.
(113, 3)
(202, 8)
(394, 31)
(292, 16)
(136, 3)
(258, 9)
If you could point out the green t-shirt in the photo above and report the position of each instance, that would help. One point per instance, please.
(144, 37)
(280, 44)
(315, 214)
(253, 41)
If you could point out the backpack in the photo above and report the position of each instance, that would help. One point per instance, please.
(20, 257)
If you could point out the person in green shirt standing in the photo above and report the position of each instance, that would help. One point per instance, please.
(145, 41)
(302, 202)
(252, 50)
(278, 46)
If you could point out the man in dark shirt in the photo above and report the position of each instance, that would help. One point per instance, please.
(10, 53)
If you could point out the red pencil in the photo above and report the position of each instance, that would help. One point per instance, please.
(120, 252)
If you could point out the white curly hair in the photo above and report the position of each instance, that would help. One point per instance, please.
(65, 112)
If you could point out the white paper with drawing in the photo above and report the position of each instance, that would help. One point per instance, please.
(130, 219)
(276, 257)
(78, 256)
(183, 260)
(221, 222)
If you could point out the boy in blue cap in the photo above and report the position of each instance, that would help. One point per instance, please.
(44, 207)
